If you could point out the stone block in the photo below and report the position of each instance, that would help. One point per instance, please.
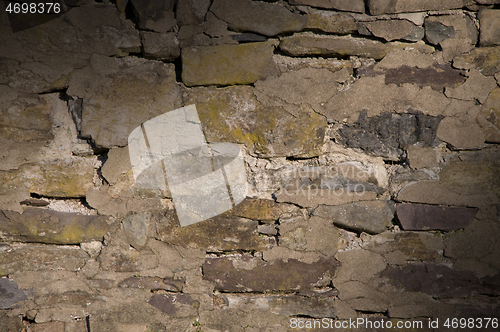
(477, 240)
(260, 17)
(152, 11)
(489, 117)
(377, 7)
(249, 274)
(327, 46)
(362, 297)
(47, 327)
(476, 87)
(160, 46)
(227, 64)
(136, 227)
(53, 227)
(267, 211)
(177, 305)
(121, 93)
(461, 133)
(357, 6)
(153, 283)
(330, 22)
(422, 157)
(436, 76)
(358, 265)
(489, 22)
(191, 12)
(486, 60)
(117, 164)
(370, 216)
(392, 30)
(419, 217)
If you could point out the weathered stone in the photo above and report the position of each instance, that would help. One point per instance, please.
(263, 18)
(248, 274)
(160, 46)
(153, 283)
(461, 40)
(389, 29)
(358, 265)
(41, 258)
(235, 115)
(400, 58)
(286, 63)
(373, 95)
(435, 76)
(308, 45)
(191, 12)
(440, 281)
(48, 226)
(10, 323)
(148, 12)
(477, 240)
(227, 319)
(489, 21)
(461, 133)
(371, 216)
(377, 7)
(362, 297)
(436, 32)
(267, 230)
(120, 94)
(422, 157)
(227, 64)
(126, 260)
(179, 305)
(330, 22)
(48, 327)
(117, 163)
(264, 210)
(217, 234)
(418, 217)
(136, 227)
(10, 295)
(312, 197)
(389, 134)
(485, 59)
(288, 305)
(489, 117)
(357, 6)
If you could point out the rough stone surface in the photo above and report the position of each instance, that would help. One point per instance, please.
(175, 305)
(48, 226)
(372, 216)
(435, 76)
(419, 217)
(191, 12)
(151, 13)
(459, 135)
(315, 45)
(358, 265)
(422, 157)
(392, 30)
(10, 295)
(266, 19)
(216, 64)
(377, 7)
(484, 59)
(489, 117)
(330, 22)
(356, 6)
(488, 19)
(248, 274)
(120, 94)
(160, 46)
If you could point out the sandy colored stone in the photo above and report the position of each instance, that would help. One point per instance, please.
(422, 157)
(312, 197)
(260, 17)
(117, 164)
(484, 59)
(117, 259)
(358, 265)
(461, 133)
(401, 57)
(362, 297)
(476, 87)
(160, 46)
(227, 64)
(377, 7)
(489, 22)
(390, 29)
(330, 22)
(489, 117)
(326, 46)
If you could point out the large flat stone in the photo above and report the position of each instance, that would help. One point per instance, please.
(227, 64)
(121, 93)
(419, 217)
(489, 20)
(248, 274)
(312, 197)
(48, 226)
(392, 30)
(370, 216)
(435, 76)
(461, 133)
(331, 22)
(358, 265)
(484, 59)
(327, 46)
(377, 7)
(260, 17)
(357, 6)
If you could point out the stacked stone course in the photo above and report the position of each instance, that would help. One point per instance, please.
(370, 132)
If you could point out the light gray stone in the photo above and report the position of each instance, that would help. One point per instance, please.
(266, 19)
(370, 216)
(357, 6)
(489, 20)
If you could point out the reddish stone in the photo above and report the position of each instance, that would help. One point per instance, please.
(436, 76)
(419, 217)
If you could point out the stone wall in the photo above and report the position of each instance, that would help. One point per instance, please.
(370, 131)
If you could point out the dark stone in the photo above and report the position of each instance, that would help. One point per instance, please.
(231, 274)
(49, 226)
(436, 76)
(247, 37)
(150, 10)
(153, 283)
(387, 135)
(34, 202)
(10, 323)
(436, 32)
(441, 281)
(172, 303)
(10, 294)
(419, 217)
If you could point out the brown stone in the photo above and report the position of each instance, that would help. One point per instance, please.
(260, 17)
(461, 133)
(261, 209)
(113, 258)
(435, 76)
(389, 29)
(312, 197)
(227, 64)
(330, 22)
(476, 87)
(419, 217)
(248, 274)
(175, 304)
(191, 12)
(485, 59)
(48, 226)
(489, 117)
(315, 45)
(357, 6)
(489, 20)
(377, 7)
(422, 157)
(47, 327)
(153, 283)
(160, 46)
